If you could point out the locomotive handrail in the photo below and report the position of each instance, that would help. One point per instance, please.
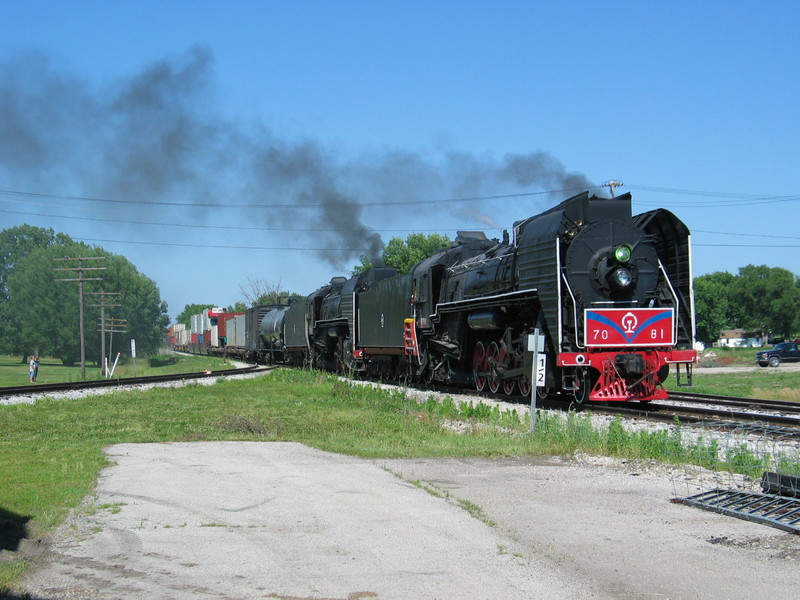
(326, 322)
(560, 318)
(457, 304)
(578, 341)
(675, 298)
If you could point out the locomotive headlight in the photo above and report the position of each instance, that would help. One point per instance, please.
(621, 278)
(622, 253)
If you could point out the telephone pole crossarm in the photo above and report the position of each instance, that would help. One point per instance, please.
(80, 279)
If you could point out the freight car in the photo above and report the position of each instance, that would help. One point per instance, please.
(610, 292)
(255, 335)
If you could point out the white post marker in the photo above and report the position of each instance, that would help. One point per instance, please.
(133, 355)
(116, 360)
(536, 345)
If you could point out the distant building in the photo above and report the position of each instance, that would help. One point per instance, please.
(739, 338)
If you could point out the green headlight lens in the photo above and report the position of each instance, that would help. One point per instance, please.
(622, 253)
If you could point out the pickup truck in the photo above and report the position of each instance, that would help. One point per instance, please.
(783, 352)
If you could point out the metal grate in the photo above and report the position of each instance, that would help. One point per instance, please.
(776, 511)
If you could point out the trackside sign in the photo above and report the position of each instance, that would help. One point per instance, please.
(629, 327)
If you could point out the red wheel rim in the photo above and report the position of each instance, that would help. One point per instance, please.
(479, 365)
(524, 385)
(491, 356)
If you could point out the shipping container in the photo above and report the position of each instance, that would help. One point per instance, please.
(222, 325)
(197, 324)
(235, 330)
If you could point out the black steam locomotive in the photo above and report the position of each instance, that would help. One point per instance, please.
(611, 293)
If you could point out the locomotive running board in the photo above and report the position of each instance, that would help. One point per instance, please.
(775, 511)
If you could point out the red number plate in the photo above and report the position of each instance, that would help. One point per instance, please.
(629, 327)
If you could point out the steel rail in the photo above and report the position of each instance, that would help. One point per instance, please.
(784, 405)
(44, 388)
(776, 424)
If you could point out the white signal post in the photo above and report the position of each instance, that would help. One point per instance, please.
(536, 345)
(133, 355)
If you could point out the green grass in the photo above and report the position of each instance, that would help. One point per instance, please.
(766, 383)
(14, 372)
(51, 452)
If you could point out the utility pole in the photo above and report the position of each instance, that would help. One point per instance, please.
(80, 269)
(612, 183)
(103, 305)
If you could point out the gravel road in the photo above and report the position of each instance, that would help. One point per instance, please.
(280, 520)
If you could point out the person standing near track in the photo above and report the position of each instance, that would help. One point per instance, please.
(34, 368)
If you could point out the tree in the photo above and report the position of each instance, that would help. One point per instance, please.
(403, 255)
(260, 292)
(48, 311)
(141, 306)
(15, 244)
(712, 305)
(759, 298)
(185, 316)
(768, 299)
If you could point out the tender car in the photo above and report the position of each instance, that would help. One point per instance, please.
(783, 352)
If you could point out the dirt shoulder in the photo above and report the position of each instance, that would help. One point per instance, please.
(280, 520)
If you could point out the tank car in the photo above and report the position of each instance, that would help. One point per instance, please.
(267, 345)
(611, 292)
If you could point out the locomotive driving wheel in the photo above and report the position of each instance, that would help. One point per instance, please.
(493, 357)
(524, 385)
(504, 359)
(479, 366)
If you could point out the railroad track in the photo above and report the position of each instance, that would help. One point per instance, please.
(45, 388)
(770, 416)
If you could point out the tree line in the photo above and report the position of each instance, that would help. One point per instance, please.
(39, 315)
(759, 299)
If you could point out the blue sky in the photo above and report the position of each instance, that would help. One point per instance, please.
(207, 133)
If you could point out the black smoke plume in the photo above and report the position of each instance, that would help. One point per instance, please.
(156, 138)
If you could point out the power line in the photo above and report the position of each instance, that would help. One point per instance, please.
(747, 245)
(286, 205)
(282, 248)
(226, 247)
(742, 199)
(189, 225)
(758, 235)
(735, 199)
